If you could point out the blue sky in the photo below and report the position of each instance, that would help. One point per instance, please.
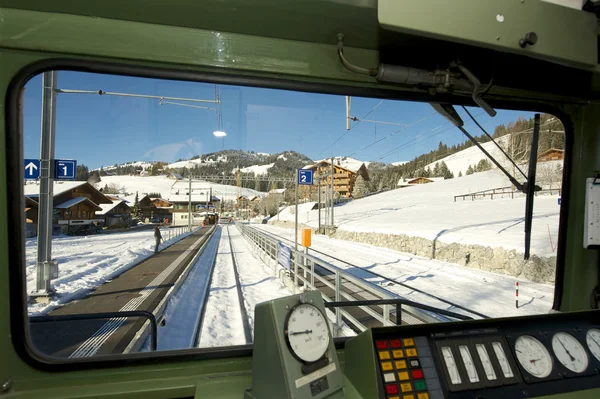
(103, 130)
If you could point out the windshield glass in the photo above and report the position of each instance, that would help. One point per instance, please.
(183, 200)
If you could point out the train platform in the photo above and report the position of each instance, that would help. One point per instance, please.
(143, 287)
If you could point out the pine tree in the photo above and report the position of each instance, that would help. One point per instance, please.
(360, 188)
(469, 170)
(436, 169)
(445, 172)
(459, 173)
(136, 205)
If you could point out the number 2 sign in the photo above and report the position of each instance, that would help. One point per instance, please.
(305, 177)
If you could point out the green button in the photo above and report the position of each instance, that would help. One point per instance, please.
(420, 385)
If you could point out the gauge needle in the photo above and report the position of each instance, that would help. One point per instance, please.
(566, 350)
(594, 340)
(534, 360)
(301, 332)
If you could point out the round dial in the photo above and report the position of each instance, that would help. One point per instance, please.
(569, 352)
(307, 332)
(533, 356)
(592, 338)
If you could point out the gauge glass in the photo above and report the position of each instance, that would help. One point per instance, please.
(488, 368)
(307, 332)
(504, 364)
(468, 362)
(451, 365)
(592, 338)
(570, 352)
(533, 356)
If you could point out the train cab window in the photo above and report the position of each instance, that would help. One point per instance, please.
(160, 212)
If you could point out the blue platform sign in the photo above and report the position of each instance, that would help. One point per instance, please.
(284, 255)
(305, 176)
(32, 168)
(65, 169)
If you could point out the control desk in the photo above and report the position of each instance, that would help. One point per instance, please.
(501, 358)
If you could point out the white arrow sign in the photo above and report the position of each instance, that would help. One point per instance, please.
(31, 166)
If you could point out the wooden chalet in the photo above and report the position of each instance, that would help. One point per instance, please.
(118, 212)
(551, 154)
(162, 209)
(75, 203)
(201, 199)
(343, 179)
(31, 217)
(417, 181)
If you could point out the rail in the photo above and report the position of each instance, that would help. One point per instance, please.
(177, 231)
(305, 271)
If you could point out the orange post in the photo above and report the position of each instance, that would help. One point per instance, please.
(306, 235)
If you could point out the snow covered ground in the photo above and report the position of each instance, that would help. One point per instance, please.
(222, 322)
(429, 211)
(483, 292)
(162, 185)
(86, 262)
(258, 169)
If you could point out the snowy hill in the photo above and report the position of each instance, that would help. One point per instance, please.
(258, 169)
(460, 161)
(135, 164)
(162, 185)
(429, 211)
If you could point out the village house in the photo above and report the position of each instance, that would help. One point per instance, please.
(118, 212)
(417, 180)
(344, 176)
(202, 202)
(75, 203)
(31, 217)
(551, 154)
(162, 210)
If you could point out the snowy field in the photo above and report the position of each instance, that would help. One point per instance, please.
(86, 262)
(429, 211)
(484, 292)
(162, 185)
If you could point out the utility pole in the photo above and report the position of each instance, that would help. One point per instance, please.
(45, 267)
(332, 194)
(319, 203)
(190, 202)
(296, 215)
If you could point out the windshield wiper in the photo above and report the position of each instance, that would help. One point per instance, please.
(528, 187)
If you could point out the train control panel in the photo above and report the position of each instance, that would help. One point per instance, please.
(485, 359)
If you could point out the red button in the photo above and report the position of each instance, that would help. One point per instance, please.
(381, 344)
(391, 389)
(417, 374)
(395, 343)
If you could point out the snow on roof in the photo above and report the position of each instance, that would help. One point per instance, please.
(32, 189)
(198, 196)
(277, 191)
(74, 201)
(108, 207)
(411, 182)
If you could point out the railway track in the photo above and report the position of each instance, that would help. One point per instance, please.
(222, 307)
(385, 278)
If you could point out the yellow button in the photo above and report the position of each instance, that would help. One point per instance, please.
(423, 395)
(409, 342)
(384, 355)
(403, 376)
(398, 353)
(386, 366)
(393, 397)
(411, 396)
(406, 387)
(400, 364)
(410, 352)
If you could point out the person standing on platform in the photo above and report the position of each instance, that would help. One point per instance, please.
(157, 237)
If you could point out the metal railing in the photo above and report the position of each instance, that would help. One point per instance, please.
(307, 272)
(177, 231)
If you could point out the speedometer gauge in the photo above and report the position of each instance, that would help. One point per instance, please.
(569, 352)
(307, 332)
(592, 338)
(533, 356)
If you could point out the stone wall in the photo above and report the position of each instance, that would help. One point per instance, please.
(496, 260)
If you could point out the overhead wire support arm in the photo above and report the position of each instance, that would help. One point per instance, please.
(494, 141)
(112, 93)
